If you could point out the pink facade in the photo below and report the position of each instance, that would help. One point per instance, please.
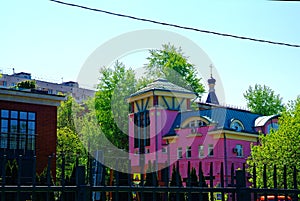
(210, 134)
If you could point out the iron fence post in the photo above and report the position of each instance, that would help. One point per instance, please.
(241, 193)
(82, 192)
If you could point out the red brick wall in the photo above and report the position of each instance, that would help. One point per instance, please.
(46, 124)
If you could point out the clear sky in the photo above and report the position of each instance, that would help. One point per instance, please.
(53, 41)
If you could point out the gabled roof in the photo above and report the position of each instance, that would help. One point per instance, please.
(162, 85)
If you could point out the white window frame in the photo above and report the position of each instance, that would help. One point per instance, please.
(239, 150)
(210, 150)
(179, 153)
(188, 152)
(201, 151)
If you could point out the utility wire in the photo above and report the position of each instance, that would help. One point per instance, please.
(178, 26)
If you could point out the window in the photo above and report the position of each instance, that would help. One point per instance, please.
(141, 129)
(179, 152)
(4, 133)
(188, 152)
(18, 130)
(272, 126)
(164, 150)
(239, 150)
(196, 123)
(210, 150)
(236, 125)
(155, 100)
(201, 151)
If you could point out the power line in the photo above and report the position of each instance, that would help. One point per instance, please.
(178, 26)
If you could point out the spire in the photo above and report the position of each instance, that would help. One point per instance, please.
(212, 97)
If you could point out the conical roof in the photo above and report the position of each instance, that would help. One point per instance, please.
(212, 97)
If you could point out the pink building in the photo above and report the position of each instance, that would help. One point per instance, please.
(164, 128)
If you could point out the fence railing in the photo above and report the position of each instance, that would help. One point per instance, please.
(114, 186)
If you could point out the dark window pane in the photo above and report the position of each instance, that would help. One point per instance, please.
(4, 113)
(14, 114)
(31, 127)
(13, 126)
(23, 115)
(31, 142)
(31, 116)
(22, 140)
(4, 126)
(13, 141)
(3, 140)
(23, 126)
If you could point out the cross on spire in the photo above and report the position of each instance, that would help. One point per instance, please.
(211, 67)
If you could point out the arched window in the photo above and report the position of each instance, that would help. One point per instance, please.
(196, 123)
(272, 126)
(236, 125)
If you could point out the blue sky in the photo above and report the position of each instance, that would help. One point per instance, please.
(53, 41)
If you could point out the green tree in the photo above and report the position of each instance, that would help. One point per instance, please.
(70, 147)
(281, 147)
(68, 141)
(67, 113)
(170, 63)
(27, 84)
(263, 100)
(110, 103)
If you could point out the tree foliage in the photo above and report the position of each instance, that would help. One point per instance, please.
(27, 84)
(263, 100)
(70, 147)
(68, 141)
(110, 103)
(170, 63)
(280, 148)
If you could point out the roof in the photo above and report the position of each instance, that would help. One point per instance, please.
(22, 73)
(261, 121)
(221, 116)
(162, 85)
(212, 98)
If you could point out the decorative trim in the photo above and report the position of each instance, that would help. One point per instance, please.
(234, 135)
(171, 139)
(194, 135)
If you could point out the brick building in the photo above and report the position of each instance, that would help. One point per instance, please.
(28, 122)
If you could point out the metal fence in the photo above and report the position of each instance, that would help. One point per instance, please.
(93, 183)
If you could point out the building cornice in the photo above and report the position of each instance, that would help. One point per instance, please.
(217, 134)
(30, 97)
